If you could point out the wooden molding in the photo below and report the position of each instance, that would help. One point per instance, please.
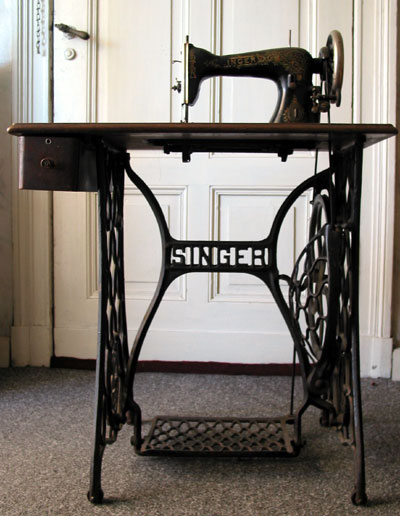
(375, 74)
(31, 341)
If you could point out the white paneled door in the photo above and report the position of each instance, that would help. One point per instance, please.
(125, 73)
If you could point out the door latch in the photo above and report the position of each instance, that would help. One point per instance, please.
(71, 31)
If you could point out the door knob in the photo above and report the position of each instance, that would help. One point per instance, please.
(71, 31)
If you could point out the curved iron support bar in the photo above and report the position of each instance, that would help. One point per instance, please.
(165, 279)
(150, 198)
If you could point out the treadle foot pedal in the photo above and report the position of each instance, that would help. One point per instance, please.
(211, 436)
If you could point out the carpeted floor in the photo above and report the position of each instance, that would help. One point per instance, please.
(46, 435)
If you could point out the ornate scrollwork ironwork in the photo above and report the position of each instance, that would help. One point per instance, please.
(325, 281)
(113, 352)
(340, 393)
(309, 286)
(114, 330)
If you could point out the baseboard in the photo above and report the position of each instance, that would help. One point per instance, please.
(73, 363)
(160, 366)
(375, 356)
(396, 365)
(4, 351)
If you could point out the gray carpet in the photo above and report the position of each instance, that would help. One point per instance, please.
(46, 435)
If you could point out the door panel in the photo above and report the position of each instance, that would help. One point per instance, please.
(207, 317)
(247, 26)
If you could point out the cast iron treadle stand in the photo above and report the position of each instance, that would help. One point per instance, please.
(321, 313)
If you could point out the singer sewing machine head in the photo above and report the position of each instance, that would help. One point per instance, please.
(292, 70)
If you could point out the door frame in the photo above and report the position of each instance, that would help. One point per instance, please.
(32, 330)
(374, 58)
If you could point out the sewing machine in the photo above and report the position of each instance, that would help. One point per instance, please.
(292, 70)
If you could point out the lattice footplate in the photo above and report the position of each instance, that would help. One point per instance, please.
(211, 436)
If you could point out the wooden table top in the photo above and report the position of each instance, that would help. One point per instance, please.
(238, 137)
